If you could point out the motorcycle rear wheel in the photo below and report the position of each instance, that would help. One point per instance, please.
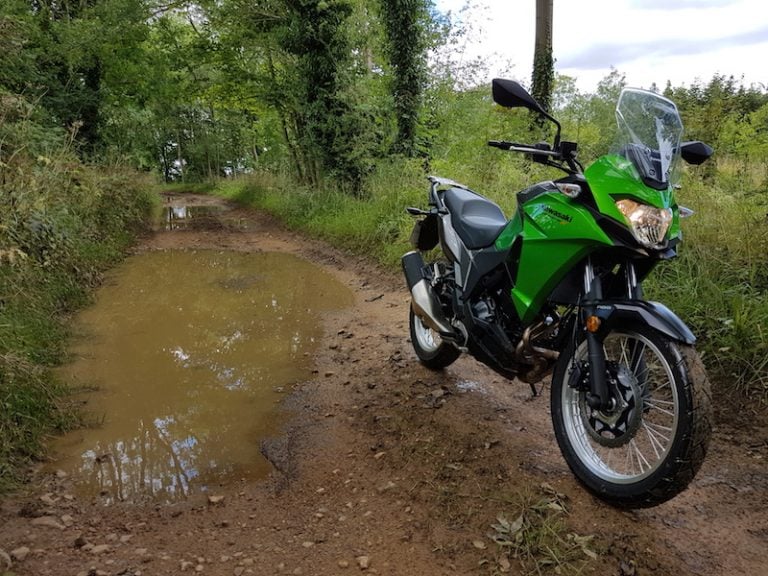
(429, 347)
(650, 446)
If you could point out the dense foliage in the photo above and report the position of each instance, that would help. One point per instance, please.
(326, 112)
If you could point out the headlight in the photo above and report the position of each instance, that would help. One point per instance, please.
(649, 224)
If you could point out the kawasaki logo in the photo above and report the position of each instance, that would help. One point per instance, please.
(557, 214)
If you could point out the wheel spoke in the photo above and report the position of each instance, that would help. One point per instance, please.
(653, 404)
(653, 438)
(641, 459)
(638, 352)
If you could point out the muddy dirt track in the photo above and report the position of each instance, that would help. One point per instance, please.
(387, 468)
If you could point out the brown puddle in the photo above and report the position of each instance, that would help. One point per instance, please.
(191, 352)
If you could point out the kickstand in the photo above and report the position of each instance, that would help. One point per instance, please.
(534, 392)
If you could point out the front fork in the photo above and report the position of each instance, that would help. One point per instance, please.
(599, 397)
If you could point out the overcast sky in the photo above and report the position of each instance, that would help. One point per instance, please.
(647, 40)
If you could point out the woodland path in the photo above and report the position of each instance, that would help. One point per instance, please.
(388, 468)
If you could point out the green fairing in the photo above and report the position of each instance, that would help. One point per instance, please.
(557, 232)
(614, 177)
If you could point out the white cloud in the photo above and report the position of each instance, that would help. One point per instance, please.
(647, 40)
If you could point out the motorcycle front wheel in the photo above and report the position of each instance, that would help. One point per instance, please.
(649, 446)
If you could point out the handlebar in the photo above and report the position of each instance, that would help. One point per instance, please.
(504, 145)
(533, 149)
(564, 152)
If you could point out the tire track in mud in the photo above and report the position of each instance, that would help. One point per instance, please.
(388, 468)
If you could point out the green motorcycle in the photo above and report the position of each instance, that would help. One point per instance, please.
(558, 289)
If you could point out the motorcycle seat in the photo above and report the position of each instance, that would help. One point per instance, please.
(477, 220)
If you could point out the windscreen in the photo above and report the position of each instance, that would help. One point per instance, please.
(650, 130)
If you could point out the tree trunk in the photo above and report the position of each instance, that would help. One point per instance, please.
(543, 63)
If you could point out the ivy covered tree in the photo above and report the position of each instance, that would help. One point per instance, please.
(406, 23)
(543, 62)
(331, 131)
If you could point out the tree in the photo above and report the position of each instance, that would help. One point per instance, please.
(405, 24)
(330, 129)
(543, 63)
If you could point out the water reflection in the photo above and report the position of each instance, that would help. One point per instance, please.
(182, 217)
(189, 350)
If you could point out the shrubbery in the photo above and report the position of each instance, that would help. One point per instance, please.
(61, 223)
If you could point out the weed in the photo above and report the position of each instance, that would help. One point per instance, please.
(537, 536)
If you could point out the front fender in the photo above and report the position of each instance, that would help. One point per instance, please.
(616, 313)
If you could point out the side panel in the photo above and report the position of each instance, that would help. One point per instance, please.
(557, 233)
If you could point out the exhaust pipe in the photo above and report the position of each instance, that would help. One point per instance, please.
(423, 300)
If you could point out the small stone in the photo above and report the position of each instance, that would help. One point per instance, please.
(48, 521)
(343, 564)
(386, 487)
(379, 455)
(504, 564)
(48, 499)
(80, 541)
(225, 558)
(215, 499)
(185, 565)
(60, 474)
(239, 571)
(364, 562)
(19, 554)
(199, 568)
(308, 544)
(329, 373)
(100, 549)
(297, 572)
(125, 538)
(479, 544)
(140, 551)
(67, 520)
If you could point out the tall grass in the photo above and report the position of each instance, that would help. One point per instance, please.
(61, 224)
(719, 284)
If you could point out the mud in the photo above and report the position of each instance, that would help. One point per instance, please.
(387, 468)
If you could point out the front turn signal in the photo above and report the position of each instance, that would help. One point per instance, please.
(592, 323)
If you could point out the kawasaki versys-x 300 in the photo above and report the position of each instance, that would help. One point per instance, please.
(557, 289)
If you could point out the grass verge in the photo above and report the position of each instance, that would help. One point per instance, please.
(61, 225)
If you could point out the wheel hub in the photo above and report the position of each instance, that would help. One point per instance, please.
(618, 425)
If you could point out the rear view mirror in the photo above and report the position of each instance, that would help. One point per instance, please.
(510, 94)
(695, 152)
